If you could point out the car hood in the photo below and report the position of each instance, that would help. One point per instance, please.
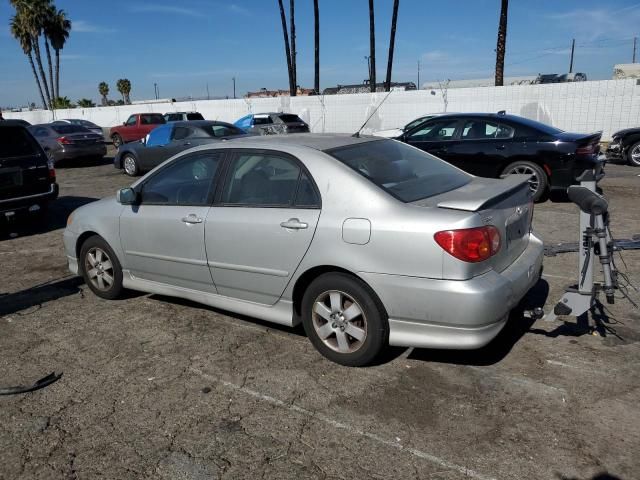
(86, 214)
(390, 133)
(626, 131)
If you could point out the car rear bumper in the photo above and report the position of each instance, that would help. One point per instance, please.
(454, 314)
(71, 153)
(28, 202)
(563, 178)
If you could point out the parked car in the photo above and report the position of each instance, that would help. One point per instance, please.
(364, 240)
(396, 132)
(92, 127)
(272, 123)
(136, 127)
(19, 121)
(27, 175)
(182, 116)
(495, 145)
(167, 140)
(625, 146)
(64, 141)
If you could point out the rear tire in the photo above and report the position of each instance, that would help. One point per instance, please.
(117, 140)
(130, 165)
(344, 319)
(633, 155)
(100, 268)
(539, 182)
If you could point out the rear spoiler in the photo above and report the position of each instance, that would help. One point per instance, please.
(481, 192)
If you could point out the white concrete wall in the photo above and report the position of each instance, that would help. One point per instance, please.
(607, 105)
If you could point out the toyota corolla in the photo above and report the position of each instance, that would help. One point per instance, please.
(366, 241)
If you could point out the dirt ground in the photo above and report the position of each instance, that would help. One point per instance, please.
(155, 387)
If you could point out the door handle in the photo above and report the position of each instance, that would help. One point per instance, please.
(294, 224)
(500, 147)
(191, 219)
(186, 144)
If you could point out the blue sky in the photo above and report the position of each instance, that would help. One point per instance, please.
(184, 45)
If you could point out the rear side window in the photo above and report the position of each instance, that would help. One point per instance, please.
(173, 117)
(151, 119)
(65, 129)
(405, 172)
(289, 118)
(262, 120)
(16, 142)
(219, 131)
(194, 116)
(159, 136)
(485, 130)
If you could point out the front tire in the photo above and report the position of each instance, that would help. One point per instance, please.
(633, 155)
(344, 320)
(130, 165)
(538, 184)
(101, 269)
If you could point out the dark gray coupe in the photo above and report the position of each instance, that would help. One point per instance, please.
(167, 140)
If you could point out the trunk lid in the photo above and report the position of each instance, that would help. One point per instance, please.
(83, 139)
(504, 203)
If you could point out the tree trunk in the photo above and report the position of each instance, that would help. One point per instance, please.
(54, 94)
(372, 48)
(57, 72)
(316, 28)
(502, 43)
(292, 20)
(43, 77)
(286, 47)
(392, 43)
(35, 74)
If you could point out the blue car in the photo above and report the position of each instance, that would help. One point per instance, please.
(169, 139)
(272, 123)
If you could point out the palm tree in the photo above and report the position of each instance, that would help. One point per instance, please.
(292, 21)
(20, 32)
(86, 103)
(316, 28)
(103, 89)
(392, 42)
(57, 30)
(502, 43)
(124, 87)
(287, 50)
(62, 102)
(45, 19)
(372, 48)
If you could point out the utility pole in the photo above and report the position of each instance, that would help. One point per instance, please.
(573, 46)
(635, 41)
(234, 87)
(418, 74)
(208, 96)
(368, 59)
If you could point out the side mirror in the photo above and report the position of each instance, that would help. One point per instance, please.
(124, 124)
(127, 196)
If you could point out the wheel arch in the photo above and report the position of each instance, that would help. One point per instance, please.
(304, 280)
(83, 238)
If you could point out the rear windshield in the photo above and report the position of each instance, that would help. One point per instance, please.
(542, 127)
(16, 142)
(289, 118)
(151, 119)
(68, 128)
(84, 123)
(221, 130)
(194, 116)
(405, 172)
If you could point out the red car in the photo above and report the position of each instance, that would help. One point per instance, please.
(136, 127)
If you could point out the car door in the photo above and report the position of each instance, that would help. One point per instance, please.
(484, 146)
(163, 235)
(261, 225)
(128, 131)
(162, 145)
(435, 136)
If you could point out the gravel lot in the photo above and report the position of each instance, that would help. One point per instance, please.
(155, 387)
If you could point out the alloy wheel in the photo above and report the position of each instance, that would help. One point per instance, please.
(534, 181)
(99, 269)
(635, 154)
(129, 165)
(339, 321)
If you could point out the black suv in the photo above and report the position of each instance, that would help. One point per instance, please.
(27, 177)
(494, 145)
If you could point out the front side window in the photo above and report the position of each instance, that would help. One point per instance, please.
(266, 180)
(435, 131)
(405, 172)
(188, 181)
(180, 133)
(131, 121)
(159, 136)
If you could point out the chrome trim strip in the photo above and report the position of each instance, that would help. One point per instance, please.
(189, 261)
(52, 189)
(245, 268)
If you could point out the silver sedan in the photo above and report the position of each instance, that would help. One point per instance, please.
(366, 241)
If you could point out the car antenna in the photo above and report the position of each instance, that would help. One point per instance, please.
(357, 134)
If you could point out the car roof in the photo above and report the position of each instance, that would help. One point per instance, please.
(181, 113)
(199, 123)
(317, 141)
(9, 122)
(497, 116)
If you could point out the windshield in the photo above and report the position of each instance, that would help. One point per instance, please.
(416, 122)
(543, 127)
(194, 116)
(68, 128)
(403, 171)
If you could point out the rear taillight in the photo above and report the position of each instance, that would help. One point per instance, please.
(588, 149)
(52, 169)
(470, 244)
(64, 141)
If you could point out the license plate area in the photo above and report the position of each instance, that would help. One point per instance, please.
(10, 177)
(516, 229)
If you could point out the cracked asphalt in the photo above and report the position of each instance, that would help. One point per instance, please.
(156, 387)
